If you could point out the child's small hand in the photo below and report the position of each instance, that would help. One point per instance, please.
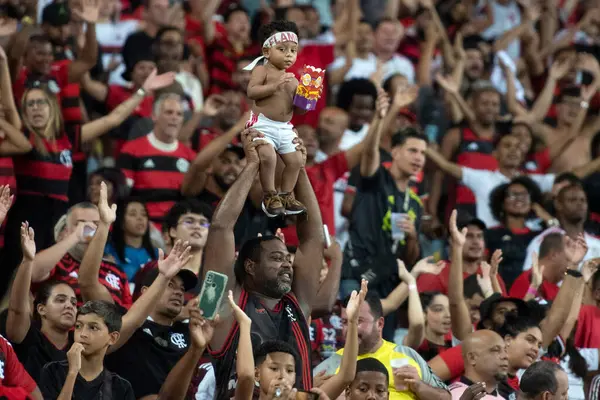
(238, 313)
(285, 78)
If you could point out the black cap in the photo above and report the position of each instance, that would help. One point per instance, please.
(487, 306)
(56, 14)
(190, 280)
(472, 42)
(237, 149)
(470, 220)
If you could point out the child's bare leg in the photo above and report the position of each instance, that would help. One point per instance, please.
(268, 163)
(293, 162)
(272, 204)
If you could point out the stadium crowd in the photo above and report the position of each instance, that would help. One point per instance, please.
(429, 229)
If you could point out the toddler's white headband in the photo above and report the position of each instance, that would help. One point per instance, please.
(271, 41)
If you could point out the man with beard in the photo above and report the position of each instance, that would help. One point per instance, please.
(486, 361)
(276, 295)
(571, 207)
(471, 145)
(472, 257)
(155, 164)
(425, 385)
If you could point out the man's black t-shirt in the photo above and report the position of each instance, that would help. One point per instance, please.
(36, 350)
(514, 250)
(106, 385)
(147, 357)
(370, 250)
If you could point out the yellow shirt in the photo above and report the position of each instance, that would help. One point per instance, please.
(387, 352)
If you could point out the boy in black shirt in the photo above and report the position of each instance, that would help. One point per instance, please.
(83, 376)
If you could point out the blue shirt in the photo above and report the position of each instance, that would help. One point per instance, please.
(135, 259)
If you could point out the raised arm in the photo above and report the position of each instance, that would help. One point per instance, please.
(335, 385)
(211, 107)
(100, 126)
(6, 93)
(461, 319)
(46, 260)
(309, 228)
(556, 317)
(446, 166)
(89, 270)
(176, 384)
(531, 15)
(89, 55)
(451, 87)
(19, 309)
(330, 287)
(370, 160)
(244, 363)
(220, 244)
(210, 9)
(96, 89)
(416, 319)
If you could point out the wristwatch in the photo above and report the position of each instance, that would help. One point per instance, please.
(553, 222)
(585, 104)
(141, 92)
(574, 273)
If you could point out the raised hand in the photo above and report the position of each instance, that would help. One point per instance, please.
(250, 145)
(458, 237)
(74, 357)
(589, 268)
(427, 266)
(238, 313)
(213, 105)
(448, 83)
(575, 250)
(484, 280)
(537, 271)
(333, 251)
(383, 103)
(108, 214)
(403, 273)
(6, 200)
(27, 241)
(201, 330)
(495, 262)
(178, 257)
(405, 95)
(154, 81)
(279, 233)
(89, 11)
(560, 68)
(356, 299)
(459, 49)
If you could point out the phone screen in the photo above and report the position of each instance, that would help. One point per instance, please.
(302, 395)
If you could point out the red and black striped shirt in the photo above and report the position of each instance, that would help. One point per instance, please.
(48, 175)
(155, 174)
(111, 276)
(222, 60)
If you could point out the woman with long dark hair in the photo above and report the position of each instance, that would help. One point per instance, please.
(130, 243)
(43, 173)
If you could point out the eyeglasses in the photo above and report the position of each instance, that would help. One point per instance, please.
(36, 102)
(191, 222)
(518, 196)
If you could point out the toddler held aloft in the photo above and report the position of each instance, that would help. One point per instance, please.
(273, 90)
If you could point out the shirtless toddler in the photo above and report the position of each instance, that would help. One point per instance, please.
(273, 89)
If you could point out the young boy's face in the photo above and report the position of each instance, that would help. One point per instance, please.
(93, 334)
(282, 55)
(276, 366)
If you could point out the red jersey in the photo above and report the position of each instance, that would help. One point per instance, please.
(48, 175)
(119, 94)
(547, 290)
(473, 152)
(111, 276)
(439, 283)
(586, 335)
(154, 174)
(15, 382)
(322, 176)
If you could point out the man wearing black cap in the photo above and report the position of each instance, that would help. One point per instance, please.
(157, 345)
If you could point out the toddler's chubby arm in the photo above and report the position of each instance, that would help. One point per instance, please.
(259, 88)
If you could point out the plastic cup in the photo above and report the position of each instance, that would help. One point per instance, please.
(397, 363)
(397, 233)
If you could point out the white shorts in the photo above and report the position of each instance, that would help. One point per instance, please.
(278, 134)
